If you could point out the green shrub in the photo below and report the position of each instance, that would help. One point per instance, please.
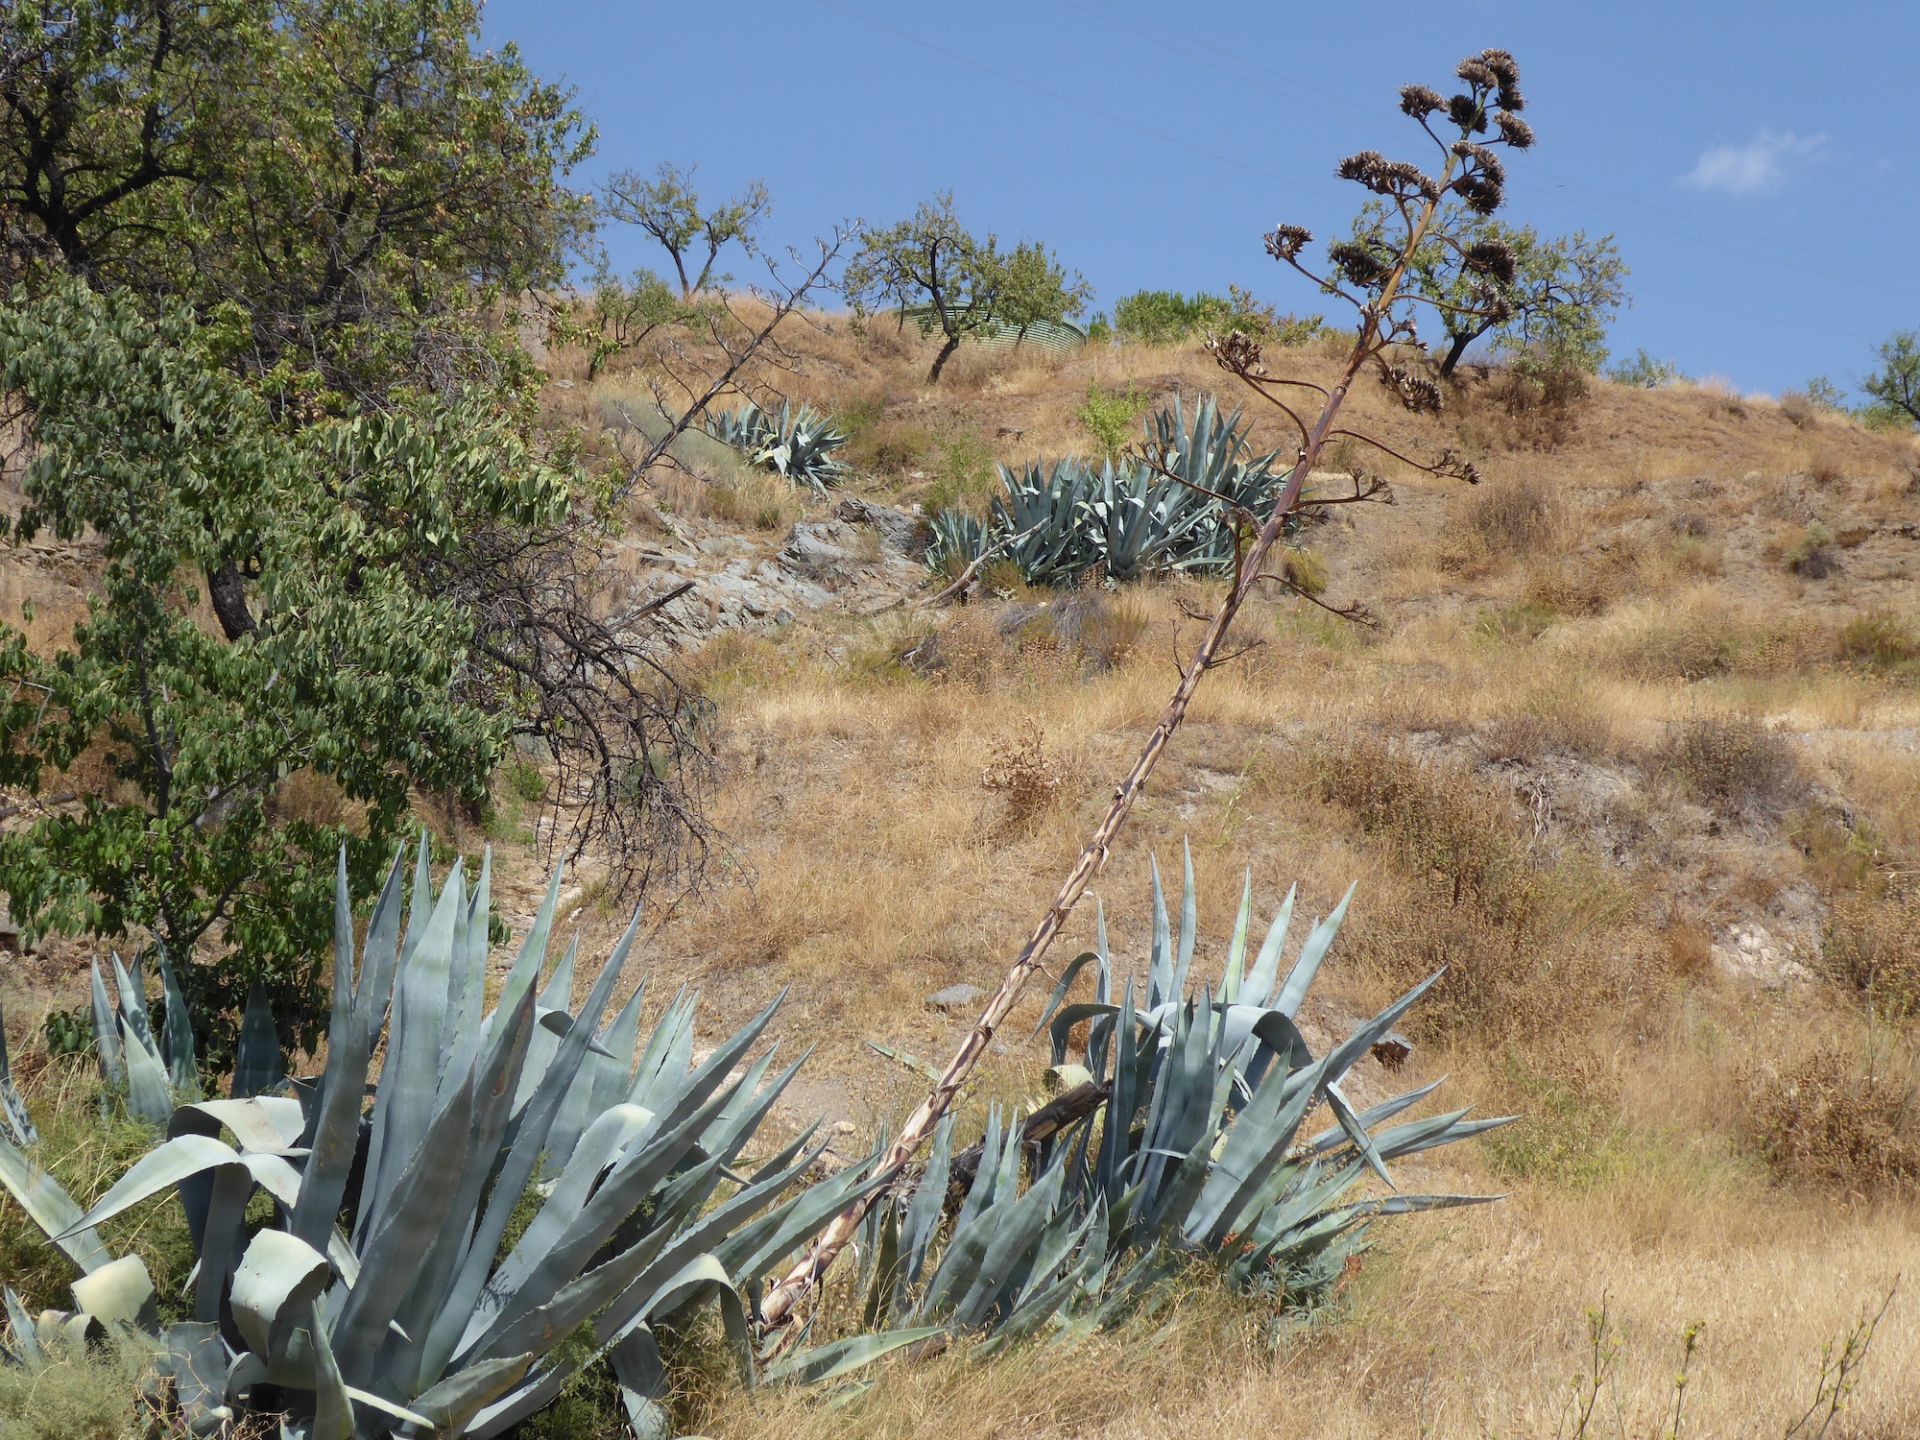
(1108, 415)
(1880, 640)
(964, 477)
(1644, 372)
(1809, 554)
(1166, 317)
(81, 1392)
(1161, 317)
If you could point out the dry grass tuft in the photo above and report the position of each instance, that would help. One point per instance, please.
(1881, 640)
(1505, 519)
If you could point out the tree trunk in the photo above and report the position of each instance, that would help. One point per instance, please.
(1455, 351)
(228, 590)
(940, 360)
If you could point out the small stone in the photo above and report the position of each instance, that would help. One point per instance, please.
(843, 1127)
(956, 997)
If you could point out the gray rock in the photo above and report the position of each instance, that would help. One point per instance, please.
(898, 530)
(956, 997)
(820, 550)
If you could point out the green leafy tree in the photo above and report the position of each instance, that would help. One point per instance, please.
(624, 312)
(1823, 394)
(1552, 299)
(366, 182)
(361, 203)
(669, 209)
(1894, 388)
(1036, 289)
(962, 284)
(112, 116)
(237, 766)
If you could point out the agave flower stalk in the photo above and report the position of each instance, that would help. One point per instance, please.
(1373, 284)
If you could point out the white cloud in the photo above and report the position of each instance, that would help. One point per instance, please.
(1760, 165)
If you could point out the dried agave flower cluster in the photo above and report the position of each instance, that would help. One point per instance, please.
(1467, 128)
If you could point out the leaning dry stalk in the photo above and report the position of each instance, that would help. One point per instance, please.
(778, 1304)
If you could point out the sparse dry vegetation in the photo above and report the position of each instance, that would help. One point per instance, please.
(1630, 756)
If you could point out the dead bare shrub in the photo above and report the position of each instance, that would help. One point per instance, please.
(1507, 928)
(1826, 467)
(1544, 730)
(1524, 406)
(1800, 409)
(1731, 762)
(1096, 630)
(1689, 947)
(1871, 944)
(1018, 770)
(1844, 1116)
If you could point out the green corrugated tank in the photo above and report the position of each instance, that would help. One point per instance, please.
(1058, 336)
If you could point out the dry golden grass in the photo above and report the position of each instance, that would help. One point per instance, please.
(1473, 1327)
(1556, 769)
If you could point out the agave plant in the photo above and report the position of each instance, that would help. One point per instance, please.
(385, 1293)
(798, 443)
(1140, 524)
(1040, 519)
(958, 539)
(15, 1122)
(1179, 1134)
(1216, 460)
(1126, 520)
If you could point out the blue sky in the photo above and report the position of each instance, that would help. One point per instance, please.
(1756, 162)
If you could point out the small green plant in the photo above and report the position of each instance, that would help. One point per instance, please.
(1645, 372)
(1809, 554)
(1108, 415)
(1840, 1367)
(965, 472)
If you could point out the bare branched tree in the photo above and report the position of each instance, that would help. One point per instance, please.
(1369, 276)
(721, 343)
(584, 672)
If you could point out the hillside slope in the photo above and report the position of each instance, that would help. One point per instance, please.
(1633, 751)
